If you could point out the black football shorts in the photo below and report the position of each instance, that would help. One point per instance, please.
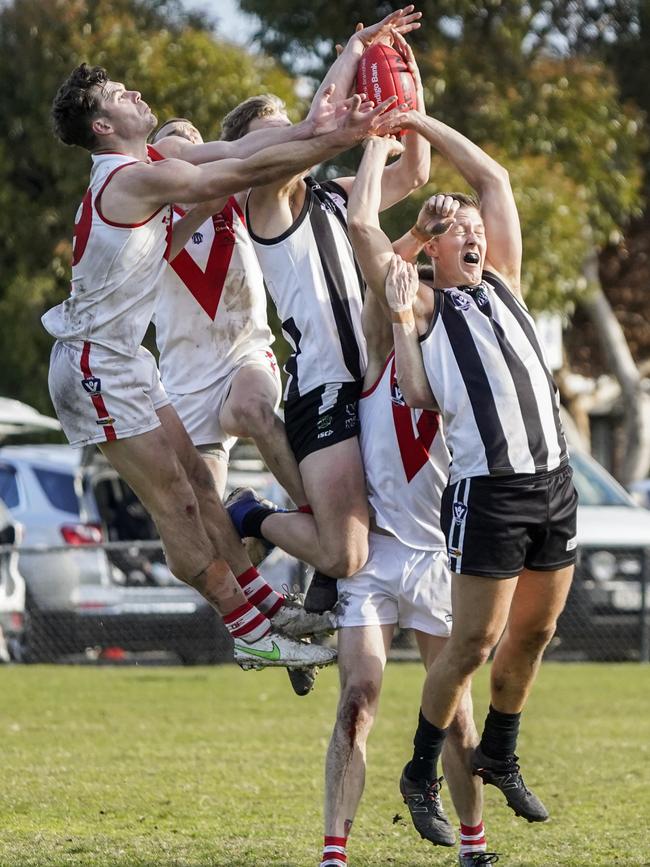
(496, 526)
(323, 417)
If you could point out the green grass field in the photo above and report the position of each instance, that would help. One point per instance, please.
(191, 767)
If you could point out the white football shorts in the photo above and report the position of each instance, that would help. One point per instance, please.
(200, 410)
(398, 585)
(101, 395)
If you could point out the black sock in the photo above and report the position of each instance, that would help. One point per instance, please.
(427, 746)
(499, 738)
(252, 522)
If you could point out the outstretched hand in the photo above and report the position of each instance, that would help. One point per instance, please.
(401, 284)
(361, 117)
(400, 21)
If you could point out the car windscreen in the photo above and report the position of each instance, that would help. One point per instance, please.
(8, 486)
(594, 484)
(59, 489)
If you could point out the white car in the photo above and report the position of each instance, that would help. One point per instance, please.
(604, 617)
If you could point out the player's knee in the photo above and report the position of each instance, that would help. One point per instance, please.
(345, 562)
(356, 712)
(531, 643)
(255, 417)
(473, 651)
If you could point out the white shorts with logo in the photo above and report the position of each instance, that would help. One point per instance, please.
(101, 395)
(200, 410)
(401, 585)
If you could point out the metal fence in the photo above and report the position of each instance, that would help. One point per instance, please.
(113, 594)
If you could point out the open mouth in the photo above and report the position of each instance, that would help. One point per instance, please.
(471, 258)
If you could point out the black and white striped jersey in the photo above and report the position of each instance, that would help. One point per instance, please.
(316, 284)
(488, 373)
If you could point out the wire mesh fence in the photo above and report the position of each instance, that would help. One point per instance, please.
(119, 597)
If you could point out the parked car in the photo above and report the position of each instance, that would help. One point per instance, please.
(78, 597)
(602, 618)
(640, 491)
(12, 590)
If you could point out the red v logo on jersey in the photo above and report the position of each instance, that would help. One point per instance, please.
(207, 286)
(413, 449)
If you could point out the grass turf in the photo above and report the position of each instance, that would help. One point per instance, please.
(130, 767)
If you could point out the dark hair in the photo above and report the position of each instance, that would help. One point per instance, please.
(76, 105)
(169, 122)
(235, 123)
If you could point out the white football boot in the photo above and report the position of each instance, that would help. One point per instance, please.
(279, 651)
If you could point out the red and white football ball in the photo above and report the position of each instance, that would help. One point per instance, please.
(382, 73)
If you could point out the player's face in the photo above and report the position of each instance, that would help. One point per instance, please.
(459, 255)
(126, 112)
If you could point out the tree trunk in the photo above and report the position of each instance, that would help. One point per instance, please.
(636, 411)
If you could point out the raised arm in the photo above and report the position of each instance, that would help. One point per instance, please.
(402, 287)
(491, 182)
(138, 190)
(372, 246)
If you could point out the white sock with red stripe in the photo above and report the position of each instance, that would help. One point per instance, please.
(472, 838)
(259, 593)
(247, 623)
(334, 852)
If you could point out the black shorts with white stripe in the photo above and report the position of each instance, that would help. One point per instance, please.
(496, 526)
(323, 417)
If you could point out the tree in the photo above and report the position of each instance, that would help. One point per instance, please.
(178, 64)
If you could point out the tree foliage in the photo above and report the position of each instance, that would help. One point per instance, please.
(181, 69)
(524, 81)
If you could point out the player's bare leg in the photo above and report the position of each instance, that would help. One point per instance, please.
(151, 467)
(249, 411)
(465, 789)
(335, 538)
(362, 658)
(480, 608)
(291, 619)
(536, 605)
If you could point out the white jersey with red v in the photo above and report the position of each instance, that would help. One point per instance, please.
(115, 269)
(211, 311)
(406, 463)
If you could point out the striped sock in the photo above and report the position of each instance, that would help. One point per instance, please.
(334, 854)
(259, 593)
(247, 623)
(472, 838)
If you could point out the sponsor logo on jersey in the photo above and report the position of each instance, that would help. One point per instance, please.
(92, 384)
(460, 511)
(396, 394)
(572, 543)
(104, 422)
(324, 433)
(448, 618)
(454, 552)
(324, 422)
(197, 237)
(350, 423)
(459, 300)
